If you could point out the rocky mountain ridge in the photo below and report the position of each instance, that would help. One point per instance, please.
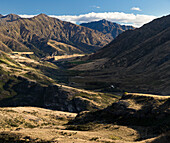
(111, 29)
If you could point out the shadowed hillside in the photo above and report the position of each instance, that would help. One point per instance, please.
(136, 61)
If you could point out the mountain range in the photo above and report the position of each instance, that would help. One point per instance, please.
(136, 61)
(40, 34)
(45, 35)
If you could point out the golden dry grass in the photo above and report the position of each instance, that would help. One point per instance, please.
(149, 95)
(38, 124)
(78, 90)
(56, 58)
(48, 125)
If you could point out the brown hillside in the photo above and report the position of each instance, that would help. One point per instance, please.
(35, 33)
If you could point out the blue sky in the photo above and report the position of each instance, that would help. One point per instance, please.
(153, 8)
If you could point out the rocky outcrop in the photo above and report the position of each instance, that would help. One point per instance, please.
(133, 110)
(149, 115)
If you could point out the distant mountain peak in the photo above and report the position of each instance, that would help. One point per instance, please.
(42, 15)
(106, 27)
(11, 17)
(103, 20)
(1, 15)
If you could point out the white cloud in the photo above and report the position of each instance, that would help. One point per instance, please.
(118, 17)
(27, 16)
(136, 8)
(94, 6)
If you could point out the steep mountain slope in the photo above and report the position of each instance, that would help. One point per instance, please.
(33, 34)
(62, 48)
(106, 27)
(138, 60)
